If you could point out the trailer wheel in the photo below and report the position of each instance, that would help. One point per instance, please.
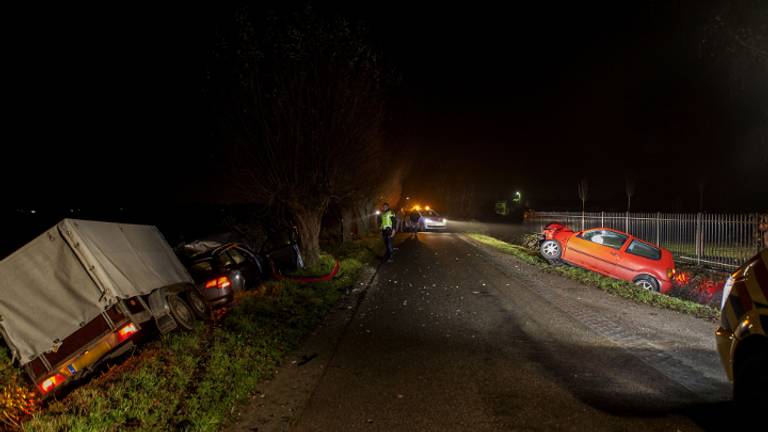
(197, 304)
(181, 312)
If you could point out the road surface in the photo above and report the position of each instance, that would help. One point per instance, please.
(456, 336)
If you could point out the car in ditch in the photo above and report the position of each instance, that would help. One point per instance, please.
(79, 294)
(742, 337)
(611, 253)
(220, 270)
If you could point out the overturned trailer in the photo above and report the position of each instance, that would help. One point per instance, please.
(77, 294)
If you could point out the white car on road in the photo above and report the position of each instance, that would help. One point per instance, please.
(428, 220)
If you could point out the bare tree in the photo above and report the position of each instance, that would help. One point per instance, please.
(583, 195)
(358, 209)
(583, 192)
(629, 188)
(306, 128)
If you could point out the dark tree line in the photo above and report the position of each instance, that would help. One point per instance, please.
(303, 119)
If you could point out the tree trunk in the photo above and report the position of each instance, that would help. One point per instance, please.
(308, 222)
(349, 225)
(363, 219)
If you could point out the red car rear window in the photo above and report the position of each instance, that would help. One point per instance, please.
(606, 238)
(644, 250)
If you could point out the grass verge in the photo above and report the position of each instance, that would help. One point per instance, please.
(192, 380)
(614, 286)
(323, 267)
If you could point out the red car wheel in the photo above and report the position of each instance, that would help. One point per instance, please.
(551, 250)
(647, 283)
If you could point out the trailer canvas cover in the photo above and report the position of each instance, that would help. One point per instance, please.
(71, 273)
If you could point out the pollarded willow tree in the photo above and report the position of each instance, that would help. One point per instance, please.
(306, 125)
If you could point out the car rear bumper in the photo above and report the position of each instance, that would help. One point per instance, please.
(217, 298)
(221, 302)
(665, 286)
(87, 358)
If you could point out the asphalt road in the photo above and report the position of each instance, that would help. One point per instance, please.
(455, 336)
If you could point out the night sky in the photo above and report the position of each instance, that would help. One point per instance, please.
(114, 106)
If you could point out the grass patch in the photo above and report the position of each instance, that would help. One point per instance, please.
(323, 267)
(613, 286)
(17, 401)
(740, 253)
(192, 380)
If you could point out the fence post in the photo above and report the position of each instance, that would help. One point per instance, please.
(626, 222)
(698, 239)
(602, 218)
(658, 222)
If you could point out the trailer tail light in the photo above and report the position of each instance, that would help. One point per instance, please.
(126, 331)
(220, 283)
(51, 383)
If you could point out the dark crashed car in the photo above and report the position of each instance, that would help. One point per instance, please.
(220, 270)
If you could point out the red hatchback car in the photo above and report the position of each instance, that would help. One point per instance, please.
(612, 253)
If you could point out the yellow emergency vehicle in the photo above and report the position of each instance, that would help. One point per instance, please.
(742, 338)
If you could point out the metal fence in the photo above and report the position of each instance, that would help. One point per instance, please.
(721, 241)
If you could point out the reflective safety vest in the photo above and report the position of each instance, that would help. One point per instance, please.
(386, 219)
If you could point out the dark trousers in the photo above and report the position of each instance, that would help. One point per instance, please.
(386, 233)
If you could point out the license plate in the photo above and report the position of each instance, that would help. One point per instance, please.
(72, 369)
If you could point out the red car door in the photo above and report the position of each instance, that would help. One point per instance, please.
(597, 249)
(636, 258)
(578, 251)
